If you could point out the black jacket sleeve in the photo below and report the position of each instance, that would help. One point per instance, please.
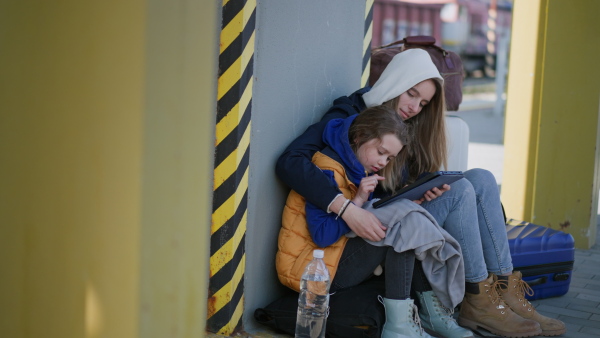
(295, 168)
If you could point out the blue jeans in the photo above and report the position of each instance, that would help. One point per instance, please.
(471, 212)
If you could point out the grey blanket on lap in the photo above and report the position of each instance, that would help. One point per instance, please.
(411, 227)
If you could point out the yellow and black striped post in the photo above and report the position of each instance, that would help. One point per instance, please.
(366, 62)
(228, 229)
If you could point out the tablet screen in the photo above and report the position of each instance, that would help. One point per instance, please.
(416, 190)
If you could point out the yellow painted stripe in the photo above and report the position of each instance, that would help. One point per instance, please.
(368, 7)
(367, 40)
(227, 210)
(236, 26)
(234, 72)
(248, 8)
(226, 252)
(364, 80)
(230, 164)
(233, 117)
(235, 318)
(223, 296)
(225, 2)
(230, 32)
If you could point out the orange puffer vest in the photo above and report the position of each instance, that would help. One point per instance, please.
(295, 245)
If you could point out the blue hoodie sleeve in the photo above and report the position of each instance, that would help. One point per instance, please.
(322, 226)
(295, 168)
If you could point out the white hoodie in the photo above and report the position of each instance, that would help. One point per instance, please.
(404, 71)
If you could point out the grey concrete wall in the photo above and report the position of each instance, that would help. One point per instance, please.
(308, 53)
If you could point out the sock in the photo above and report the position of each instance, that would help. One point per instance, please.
(472, 288)
(504, 280)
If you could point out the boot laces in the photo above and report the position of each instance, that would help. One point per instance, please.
(416, 318)
(494, 291)
(414, 312)
(446, 313)
(522, 289)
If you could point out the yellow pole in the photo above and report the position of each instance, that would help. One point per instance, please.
(106, 145)
(552, 117)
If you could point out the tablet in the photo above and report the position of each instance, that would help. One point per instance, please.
(416, 190)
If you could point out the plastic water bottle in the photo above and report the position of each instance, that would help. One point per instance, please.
(313, 301)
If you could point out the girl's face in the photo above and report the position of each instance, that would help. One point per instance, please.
(413, 100)
(376, 154)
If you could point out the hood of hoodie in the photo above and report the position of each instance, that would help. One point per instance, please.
(336, 137)
(404, 71)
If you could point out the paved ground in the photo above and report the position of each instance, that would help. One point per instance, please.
(486, 133)
(580, 307)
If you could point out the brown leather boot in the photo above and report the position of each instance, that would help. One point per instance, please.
(514, 296)
(485, 308)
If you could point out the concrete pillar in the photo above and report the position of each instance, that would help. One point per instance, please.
(307, 54)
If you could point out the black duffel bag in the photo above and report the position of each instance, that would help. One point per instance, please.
(353, 312)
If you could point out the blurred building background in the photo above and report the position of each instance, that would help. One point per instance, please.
(474, 29)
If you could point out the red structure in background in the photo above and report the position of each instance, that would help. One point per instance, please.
(470, 28)
(393, 20)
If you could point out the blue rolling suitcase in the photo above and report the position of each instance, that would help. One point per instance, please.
(543, 255)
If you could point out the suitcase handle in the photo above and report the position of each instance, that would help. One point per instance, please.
(539, 281)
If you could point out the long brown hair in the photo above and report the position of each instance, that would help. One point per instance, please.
(374, 123)
(427, 151)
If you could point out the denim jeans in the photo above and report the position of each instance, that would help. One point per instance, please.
(471, 212)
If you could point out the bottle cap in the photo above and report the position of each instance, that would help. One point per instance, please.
(318, 253)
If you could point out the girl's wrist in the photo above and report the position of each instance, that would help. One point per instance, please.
(358, 201)
(347, 213)
(337, 204)
(343, 208)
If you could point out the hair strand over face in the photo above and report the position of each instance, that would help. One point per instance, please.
(375, 123)
(427, 151)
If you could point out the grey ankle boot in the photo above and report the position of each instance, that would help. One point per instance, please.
(401, 319)
(437, 318)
